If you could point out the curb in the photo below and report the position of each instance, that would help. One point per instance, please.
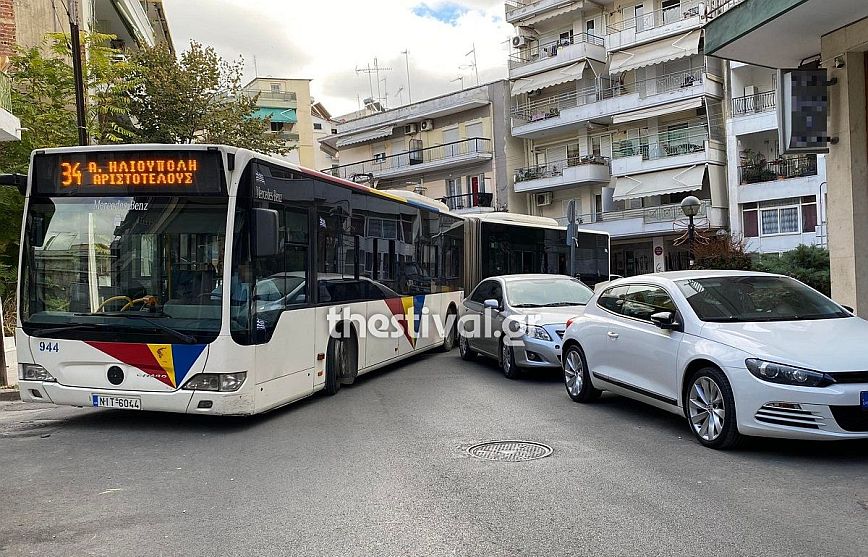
(9, 395)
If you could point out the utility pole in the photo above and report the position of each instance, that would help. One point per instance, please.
(75, 33)
(406, 54)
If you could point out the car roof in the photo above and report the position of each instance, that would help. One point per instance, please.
(672, 276)
(530, 276)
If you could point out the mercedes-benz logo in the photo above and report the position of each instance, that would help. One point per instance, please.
(115, 375)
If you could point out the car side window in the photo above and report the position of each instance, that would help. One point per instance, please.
(497, 293)
(643, 301)
(482, 292)
(612, 299)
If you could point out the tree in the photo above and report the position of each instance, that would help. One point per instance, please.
(721, 252)
(196, 98)
(809, 264)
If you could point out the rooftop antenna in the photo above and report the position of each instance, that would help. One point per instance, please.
(255, 67)
(406, 53)
(473, 64)
(385, 99)
(374, 71)
(400, 94)
(461, 79)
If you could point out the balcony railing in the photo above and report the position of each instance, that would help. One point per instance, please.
(767, 171)
(649, 215)
(550, 107)
(286, 96)
(467, 200)
(659, 18)
(715, 8)
(413, 157)
(670, 143)
(750, 104)
(556, 168)
(544, 51)
(5, 92)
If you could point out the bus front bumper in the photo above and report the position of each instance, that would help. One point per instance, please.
(239, 403)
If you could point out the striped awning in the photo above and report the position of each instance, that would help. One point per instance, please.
(364, 137)
(285, 115)
(550, 78)
(660, 183)
(656, 52)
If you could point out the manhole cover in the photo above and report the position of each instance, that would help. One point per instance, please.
(510, 451)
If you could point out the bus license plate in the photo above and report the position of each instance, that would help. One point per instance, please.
(865, 401)
(123, 402)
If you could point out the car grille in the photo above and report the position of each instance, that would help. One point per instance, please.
(850, 376)
(851, 418)
(788, 414)
(561, 332)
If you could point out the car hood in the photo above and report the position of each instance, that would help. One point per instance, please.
(549, 316)
(822, 345)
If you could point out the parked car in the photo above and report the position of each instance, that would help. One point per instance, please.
(736, 353)
(520, 319)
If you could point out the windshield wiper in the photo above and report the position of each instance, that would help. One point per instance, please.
(65, 328)
(527, 305)
(146, 318)
(563, 304)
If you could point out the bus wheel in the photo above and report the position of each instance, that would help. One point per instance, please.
(449, 338)
(341, 364)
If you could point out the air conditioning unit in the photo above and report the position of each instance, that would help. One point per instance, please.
(543, 199)
(519, 41)
(410, 129)
(427, 125)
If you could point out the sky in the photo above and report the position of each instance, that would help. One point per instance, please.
(327, 40)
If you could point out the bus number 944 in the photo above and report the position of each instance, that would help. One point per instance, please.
(49, 347)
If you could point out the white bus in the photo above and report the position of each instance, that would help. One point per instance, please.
(200, 279)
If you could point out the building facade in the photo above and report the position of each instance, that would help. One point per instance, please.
(620, 110)
(10, 125)
(832, 36)
(455, 147)
(279, 100)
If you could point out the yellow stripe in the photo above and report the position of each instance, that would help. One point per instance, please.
(163, 354)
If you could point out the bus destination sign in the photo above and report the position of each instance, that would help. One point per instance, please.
(124, 172)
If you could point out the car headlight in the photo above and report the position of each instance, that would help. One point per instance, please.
(787, 375)
(537, 332)
(221, 382)
(33, 372)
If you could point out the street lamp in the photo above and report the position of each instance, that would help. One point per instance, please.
(690, 206)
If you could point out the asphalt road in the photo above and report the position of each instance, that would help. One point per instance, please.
(382, 469)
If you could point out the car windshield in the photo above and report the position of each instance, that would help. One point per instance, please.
(90, 260)
(757, 298)
(547, 292)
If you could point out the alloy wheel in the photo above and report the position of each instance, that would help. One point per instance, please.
(574, 373)
(706, 408)
(506, 359)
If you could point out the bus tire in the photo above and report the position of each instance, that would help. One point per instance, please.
(451, 335)
(341, 363)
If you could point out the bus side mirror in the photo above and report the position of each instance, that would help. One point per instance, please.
(266, 232)
(18, 181)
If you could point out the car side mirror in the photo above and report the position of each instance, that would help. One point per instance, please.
(266, 230)
(491, 304)
(665, 320)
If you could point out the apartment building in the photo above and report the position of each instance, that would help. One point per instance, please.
(279, 100)
(324, 125)
(10, 125)
(619, 109)
(777, 202)
(456, 148)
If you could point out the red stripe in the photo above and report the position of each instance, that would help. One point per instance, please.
(136, 355)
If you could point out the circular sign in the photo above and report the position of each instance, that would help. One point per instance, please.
(658, 250)
(115, 375)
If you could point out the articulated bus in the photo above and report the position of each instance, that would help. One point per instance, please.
(215, 280)
(200, 279)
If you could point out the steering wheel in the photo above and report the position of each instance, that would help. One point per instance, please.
(144, 300)
(114, 299)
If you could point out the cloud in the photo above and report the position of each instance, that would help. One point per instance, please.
(328, 40)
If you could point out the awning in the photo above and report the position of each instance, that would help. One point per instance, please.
(660, 183)
(656, 111)
(656, 52)
(549, 78)
(285, 115)
(365, 136)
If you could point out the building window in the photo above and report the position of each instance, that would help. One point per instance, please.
(317, 126)
(780, 220)
(277, 126)
(379, 157)
(334, 131)
(750, 223)
(275, 87)
(589, 26)
(809, 214)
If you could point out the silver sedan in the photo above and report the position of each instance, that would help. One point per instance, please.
(519, 320)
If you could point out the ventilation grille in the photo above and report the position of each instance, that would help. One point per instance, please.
(788, 414)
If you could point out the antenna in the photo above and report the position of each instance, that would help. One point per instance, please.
(374, 71)
(255, 67)
(406, 53)
(400, 94)
(473, 64)
(459, 78)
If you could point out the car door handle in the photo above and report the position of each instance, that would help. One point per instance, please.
(613, 335)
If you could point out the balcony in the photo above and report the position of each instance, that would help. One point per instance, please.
(10, 126)
(754, 113)
(418, 161)
(468, 202)
(656, 25)
(574, 171)
(690, 146)
(649, 220)
(782, 169)
(753, 104)
(540, 57)
(520, 10)
(541, 116)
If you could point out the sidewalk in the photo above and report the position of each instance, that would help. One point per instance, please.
(7, 394)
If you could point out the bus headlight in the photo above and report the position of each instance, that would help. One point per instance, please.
(33, 372)
(221, 382)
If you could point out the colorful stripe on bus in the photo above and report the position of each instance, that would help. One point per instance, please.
(167, 363)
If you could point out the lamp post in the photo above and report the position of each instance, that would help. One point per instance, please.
(690, 206)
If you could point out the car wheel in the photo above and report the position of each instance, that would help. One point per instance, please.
(507, 361)
(464, 349)
(577, 379)
(711, 409)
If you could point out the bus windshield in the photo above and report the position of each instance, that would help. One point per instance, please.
(88, 262)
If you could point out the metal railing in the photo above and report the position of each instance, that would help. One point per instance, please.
(550, 107)
(5, 92)
(658, 18)
(468, 200)
(750, 104)
(287, 96)
(649, 215)
(716, 8)
(556, 168)
(544, 51)
(412, 157)
(767, 171)
(670, 143)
